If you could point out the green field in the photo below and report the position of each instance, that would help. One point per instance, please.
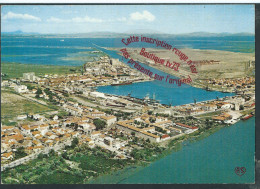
(16, 70)
(13, 104)
(75, 168)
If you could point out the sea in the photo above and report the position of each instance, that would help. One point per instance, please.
(211, 160)
(76, 51)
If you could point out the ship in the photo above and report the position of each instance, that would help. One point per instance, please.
(247, 117)
(123, 83)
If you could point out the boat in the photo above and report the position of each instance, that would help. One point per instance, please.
(247, 117)
(62, 40)
(123, 83)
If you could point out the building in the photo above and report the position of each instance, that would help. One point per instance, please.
(97, 114)
(125, 126)
(21, 89)
(108, 141)
(109, 119)
(30, 76)
(188, 128)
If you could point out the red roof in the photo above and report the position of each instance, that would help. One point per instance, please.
(187, 126)
(165, 136)
(183, 125)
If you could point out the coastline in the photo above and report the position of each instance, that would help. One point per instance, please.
(176, 145)
(119, 175)
(197, 81)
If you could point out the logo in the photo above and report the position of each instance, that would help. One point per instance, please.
(240, 171)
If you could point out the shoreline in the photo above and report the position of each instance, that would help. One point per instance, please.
(174, 144)
(184, 73)
(178, 144)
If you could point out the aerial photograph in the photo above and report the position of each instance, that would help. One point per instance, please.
(128, 94)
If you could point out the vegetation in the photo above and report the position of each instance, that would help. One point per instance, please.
(75, 166)
(100, 124)
(13, 105)
(16, 70)
(20, 153)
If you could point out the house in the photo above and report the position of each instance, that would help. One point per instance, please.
(32, 149)
(54, 123)
(224, 105)
(209, 107)
(86, 127)
(97, 114)
(223, 117)
(74, 111)
(188, 130)
(21, 117)
(27, 143)
(36, 143)
(21, 89)
(95, 134)
(7, 156)
(35, 133)
(55, 118)
(25, 128)
(109, 119)
(165, 137)
(125, 126)
(43, 128)
(108, 141)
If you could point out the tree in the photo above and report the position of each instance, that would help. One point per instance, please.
(74, 142)
(30, 87)
(207, 123)
(52, 152)
(40, 156)
(20, 153)
(100, 124)
(152, 120)
(39, 91)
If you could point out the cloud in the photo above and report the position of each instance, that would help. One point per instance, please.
(145, 15)
(11, 15)
(75, 20)
(87, 19)
(56, 20)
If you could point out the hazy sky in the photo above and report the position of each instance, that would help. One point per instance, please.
(174, 19)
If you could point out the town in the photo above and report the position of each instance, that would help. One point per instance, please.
(117, 124)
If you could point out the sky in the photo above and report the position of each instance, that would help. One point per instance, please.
(170, 19)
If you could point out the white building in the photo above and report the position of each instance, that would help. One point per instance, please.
(21, 88)
(30, 76)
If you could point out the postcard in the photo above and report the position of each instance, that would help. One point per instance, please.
(128, 94)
